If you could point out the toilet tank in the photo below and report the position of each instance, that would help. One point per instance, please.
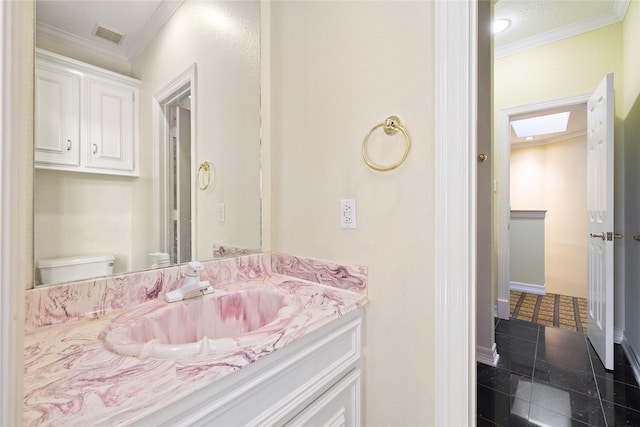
(69, 269)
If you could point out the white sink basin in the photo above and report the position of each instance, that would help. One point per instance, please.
(213, 323)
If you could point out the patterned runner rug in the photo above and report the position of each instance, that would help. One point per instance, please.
(560, 311)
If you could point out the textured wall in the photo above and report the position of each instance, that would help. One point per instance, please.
(338, 69)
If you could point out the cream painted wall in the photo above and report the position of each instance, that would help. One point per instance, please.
(631, 35)
(223, 40)
(75, 214)
(553, 177)
(565, 68)
(338, 69)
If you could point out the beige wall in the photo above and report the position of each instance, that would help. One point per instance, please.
(570, 67)
(632, 160)
(338, 69)
(553, 177)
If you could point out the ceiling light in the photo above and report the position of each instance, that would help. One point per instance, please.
(529, 138)
(499, 25)
(541, 125)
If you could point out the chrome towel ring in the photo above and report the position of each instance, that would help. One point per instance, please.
(391, 126)
(203, 177)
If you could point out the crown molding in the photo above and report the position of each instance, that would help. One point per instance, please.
(164, 12)
(615, 15)
(64, 37)
(620, 8)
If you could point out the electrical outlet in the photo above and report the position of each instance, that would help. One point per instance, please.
(348, 213)
(220, 209)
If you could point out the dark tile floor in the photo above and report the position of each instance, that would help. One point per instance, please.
(552, 377)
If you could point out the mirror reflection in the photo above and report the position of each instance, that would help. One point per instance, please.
(147, 144)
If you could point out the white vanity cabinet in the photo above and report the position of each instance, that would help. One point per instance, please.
(314, 381)
(86, 117)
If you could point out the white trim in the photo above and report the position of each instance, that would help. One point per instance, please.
(504, 308)
(187, 78)
(618, 336)
(504, 205)
(488, 356)
(529, 288)
(620, 8)
(69, 39)
(566, 31)
(455, 211)
(160, 17)
(16, 184)
(529, 214)
(265, 123)
(632, 356)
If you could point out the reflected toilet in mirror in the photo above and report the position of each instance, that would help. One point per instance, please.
(70, 269)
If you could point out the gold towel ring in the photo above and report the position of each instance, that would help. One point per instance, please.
(206, 167)
(392, 125)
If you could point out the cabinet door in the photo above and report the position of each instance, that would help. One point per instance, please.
(110, 133)
(337, 407)
(57, 118)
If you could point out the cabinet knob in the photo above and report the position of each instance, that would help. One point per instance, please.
(68, 145)
(95, 148)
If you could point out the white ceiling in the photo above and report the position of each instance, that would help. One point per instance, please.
(74, 22)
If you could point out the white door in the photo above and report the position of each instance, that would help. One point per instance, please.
(600, 214)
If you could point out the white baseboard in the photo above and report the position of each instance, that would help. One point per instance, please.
(504, 311)
(632, 356)
(528, 287)
(618, 336)
(487, 356)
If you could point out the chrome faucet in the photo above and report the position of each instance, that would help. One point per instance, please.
(192, 286)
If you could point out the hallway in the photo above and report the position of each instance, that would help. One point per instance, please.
(551, 377)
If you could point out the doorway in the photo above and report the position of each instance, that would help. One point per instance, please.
(534, 202)
(175, 183)
(178, 114)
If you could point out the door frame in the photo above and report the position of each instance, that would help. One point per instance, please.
(455, 139)
(503, 212)
(161, 132)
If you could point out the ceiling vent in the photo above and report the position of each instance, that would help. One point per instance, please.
(108, 34)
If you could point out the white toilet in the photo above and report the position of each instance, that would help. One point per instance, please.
(69, 269)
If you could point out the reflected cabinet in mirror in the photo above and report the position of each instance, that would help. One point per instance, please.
(147, 134)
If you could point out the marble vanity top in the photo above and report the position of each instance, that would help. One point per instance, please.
(70, 377)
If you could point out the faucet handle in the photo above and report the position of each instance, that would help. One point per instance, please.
(194, 268)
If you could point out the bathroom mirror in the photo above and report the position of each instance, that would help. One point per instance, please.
(218, 45)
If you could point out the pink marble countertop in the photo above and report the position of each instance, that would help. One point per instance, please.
(72, 379)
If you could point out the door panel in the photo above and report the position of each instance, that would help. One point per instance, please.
(600, 123)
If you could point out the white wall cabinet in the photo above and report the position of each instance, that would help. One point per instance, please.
(86, 117)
